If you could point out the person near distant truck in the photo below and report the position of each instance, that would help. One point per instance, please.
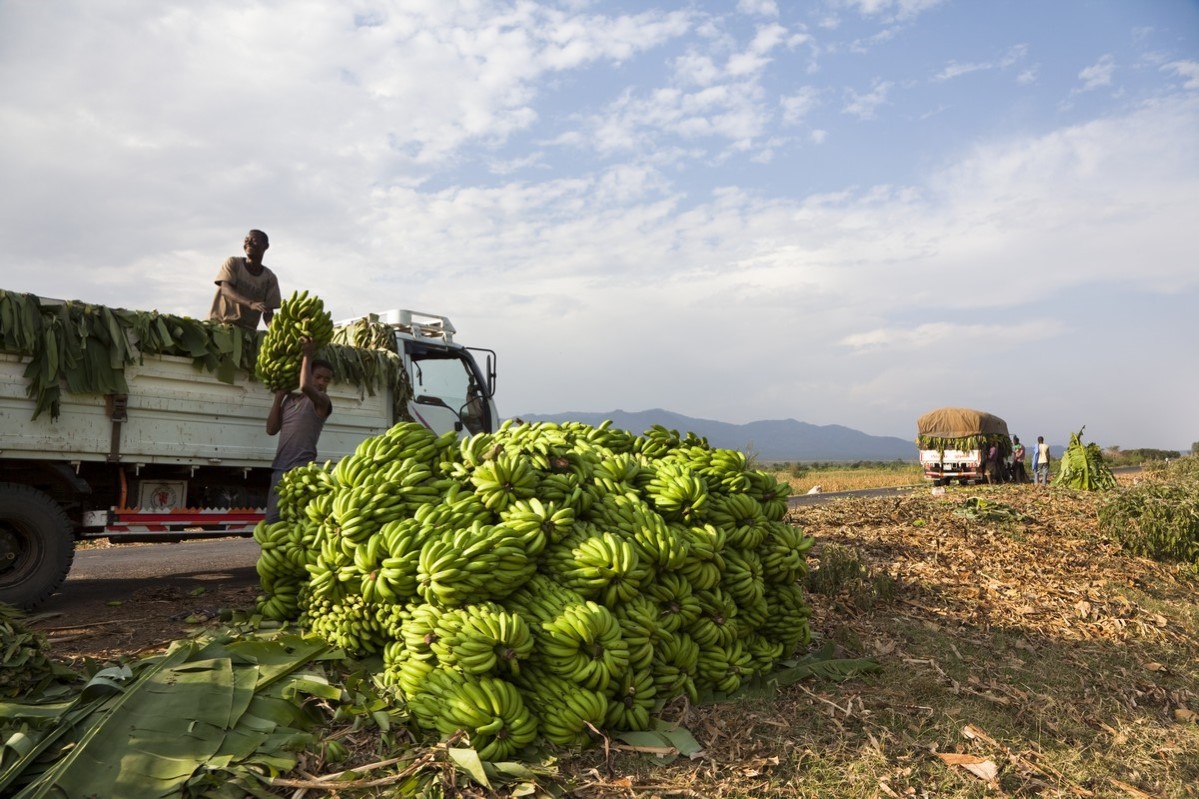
(1018, 474)
(247, 291)
(1042, 461)
(297, 418)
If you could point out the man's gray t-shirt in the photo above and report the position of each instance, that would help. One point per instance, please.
(301, 427)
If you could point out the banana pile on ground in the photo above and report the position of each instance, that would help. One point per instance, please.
(300, 316)
(544, 579)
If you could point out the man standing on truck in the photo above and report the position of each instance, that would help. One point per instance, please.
(298, 419)
(246, 290)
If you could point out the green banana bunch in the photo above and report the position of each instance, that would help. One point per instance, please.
(787, 617)
(705, 565)
(678, 493)
(540, 522)
(743, 576)
(350, 624)
(583, 644)
(631, 517)
(566, 711)
(300, 316)
(621, 473)
(366, 333)
(300, 486)
(675, 666)
(657, 442)
(784, 553)
(676, 601)
(418, 631)
(599, 566)
(489, 710)
(723, 470)
(503, 481)
(770, 493)
(723, 668)
(483, 639)
(763, 653)
(716, 625)
(632, 699)
(641, 628)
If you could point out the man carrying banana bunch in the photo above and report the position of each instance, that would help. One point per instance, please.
(297, 418)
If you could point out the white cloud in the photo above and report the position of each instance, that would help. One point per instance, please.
(798, 105)
(935, 335)
(891, 9)
(864, 106)
(763, 8)
(1098, 74)
(757, 55)
(956, 69)
(1189, 70)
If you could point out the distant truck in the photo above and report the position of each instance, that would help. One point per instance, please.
(184, 454)
(953, 443)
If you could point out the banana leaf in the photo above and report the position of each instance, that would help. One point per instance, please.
(209, 714)
(63, 342)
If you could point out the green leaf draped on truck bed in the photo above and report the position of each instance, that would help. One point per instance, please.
(84, 349)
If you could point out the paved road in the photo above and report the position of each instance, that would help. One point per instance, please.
(100, 575)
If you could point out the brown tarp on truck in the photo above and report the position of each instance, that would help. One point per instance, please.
(960, 423)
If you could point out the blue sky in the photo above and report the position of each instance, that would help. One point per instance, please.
(842, 212)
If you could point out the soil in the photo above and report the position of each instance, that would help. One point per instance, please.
(144, 622)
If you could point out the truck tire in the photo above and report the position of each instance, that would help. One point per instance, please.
(36, 545)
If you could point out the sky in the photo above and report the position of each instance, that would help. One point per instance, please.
(838, 211)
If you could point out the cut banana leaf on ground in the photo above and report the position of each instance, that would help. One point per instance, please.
(210, 716)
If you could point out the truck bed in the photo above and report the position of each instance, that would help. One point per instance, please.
(176, 414)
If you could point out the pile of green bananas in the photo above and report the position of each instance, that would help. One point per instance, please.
(367, 333)
(542, 580)
(300, 316)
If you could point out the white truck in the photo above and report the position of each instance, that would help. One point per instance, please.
(953, 443)
(184, 454)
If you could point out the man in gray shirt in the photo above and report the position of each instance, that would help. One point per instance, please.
(297, 418)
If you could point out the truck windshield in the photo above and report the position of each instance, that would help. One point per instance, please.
(446, 378)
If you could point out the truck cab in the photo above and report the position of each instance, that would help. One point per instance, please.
(450, 389)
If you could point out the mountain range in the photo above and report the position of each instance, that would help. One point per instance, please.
(774, 441)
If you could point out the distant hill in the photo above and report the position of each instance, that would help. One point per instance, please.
(772, 441)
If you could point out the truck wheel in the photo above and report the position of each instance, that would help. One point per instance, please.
(36, 545)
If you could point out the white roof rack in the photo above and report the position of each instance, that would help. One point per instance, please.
(415, 323)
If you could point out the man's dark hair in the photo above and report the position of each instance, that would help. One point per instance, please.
(265, 238)
(320, 363)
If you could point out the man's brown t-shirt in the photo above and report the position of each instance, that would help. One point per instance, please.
(263, 287)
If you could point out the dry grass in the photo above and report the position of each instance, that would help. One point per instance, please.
(845, 478)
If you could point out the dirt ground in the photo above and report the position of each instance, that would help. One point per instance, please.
(145, 621)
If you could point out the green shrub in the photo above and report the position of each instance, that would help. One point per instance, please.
(1157, 518)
